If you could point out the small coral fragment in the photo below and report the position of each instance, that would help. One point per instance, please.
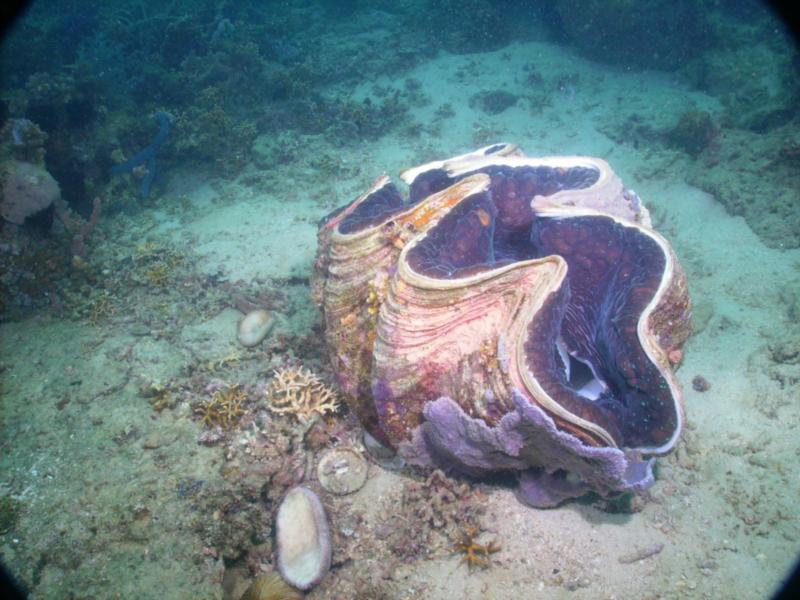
(159, 396)
(224, 409)
(298, 392)
(156, 266)
(475, 554)
(100, 308)
(218, 364)
(158, 275)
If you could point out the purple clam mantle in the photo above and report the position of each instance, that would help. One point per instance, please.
(513, 314)
(523, 438)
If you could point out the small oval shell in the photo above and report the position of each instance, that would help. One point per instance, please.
(303, 538)
(254, 327)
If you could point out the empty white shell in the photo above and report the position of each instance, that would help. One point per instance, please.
(303, 538)
(254, 327)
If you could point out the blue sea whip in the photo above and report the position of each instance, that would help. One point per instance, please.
(148, 155)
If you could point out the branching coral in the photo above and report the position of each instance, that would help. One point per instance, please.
(224, 409)
(101, 308)
(296, 391)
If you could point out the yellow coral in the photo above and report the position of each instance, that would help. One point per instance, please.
(101, 308)
(146, 250)
(156, 265)
(159, 396)
(271, 587)
(224, 409)
(475, 554)
(298, 392)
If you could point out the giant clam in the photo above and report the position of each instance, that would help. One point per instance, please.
(512, 314)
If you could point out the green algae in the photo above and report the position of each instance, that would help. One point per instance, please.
(10, 509)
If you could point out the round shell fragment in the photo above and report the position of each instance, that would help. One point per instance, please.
(303, 538)
(342, 471)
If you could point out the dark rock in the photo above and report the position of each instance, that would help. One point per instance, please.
(657, 34)
(493, 102)
(693, 132)
(785, 352)
(700, 384)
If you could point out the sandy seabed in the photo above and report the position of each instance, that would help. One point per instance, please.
(106, 482)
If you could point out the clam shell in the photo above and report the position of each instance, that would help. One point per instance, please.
(514, 313)
(303, 538)
(254, 327)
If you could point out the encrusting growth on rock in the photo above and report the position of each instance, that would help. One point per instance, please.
(299, 392)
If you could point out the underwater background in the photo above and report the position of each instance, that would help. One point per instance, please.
(176, 158)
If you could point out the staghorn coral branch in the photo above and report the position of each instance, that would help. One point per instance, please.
(298, 392)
